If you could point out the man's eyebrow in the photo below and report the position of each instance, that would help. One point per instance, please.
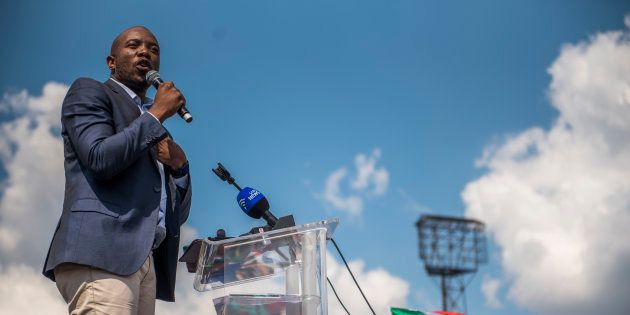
(137, 40)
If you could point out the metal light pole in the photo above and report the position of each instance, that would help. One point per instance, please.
(452, 249)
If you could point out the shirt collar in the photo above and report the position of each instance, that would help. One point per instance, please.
(136, 99)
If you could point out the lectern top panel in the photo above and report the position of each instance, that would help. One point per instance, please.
(262, 258)
(330, 225)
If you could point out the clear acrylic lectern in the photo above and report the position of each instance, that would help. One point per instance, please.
(281, 272)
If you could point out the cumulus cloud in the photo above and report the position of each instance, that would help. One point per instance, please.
(490, 287)
(557, 201)
(348, 194)
(32, 157)
(23, 290)
(353, 204)
(381, 288)
(31, 198)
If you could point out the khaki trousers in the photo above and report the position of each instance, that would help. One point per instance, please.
(89, 290)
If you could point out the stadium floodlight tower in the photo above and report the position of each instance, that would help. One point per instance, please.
(452, 250)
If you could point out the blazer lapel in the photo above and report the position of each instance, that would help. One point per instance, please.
(131, 107)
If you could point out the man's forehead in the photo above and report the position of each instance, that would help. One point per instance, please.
(137, 33)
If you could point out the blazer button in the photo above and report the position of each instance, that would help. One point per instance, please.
(176, 236)
(156, 188)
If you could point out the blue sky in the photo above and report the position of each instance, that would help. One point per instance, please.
(284, 93)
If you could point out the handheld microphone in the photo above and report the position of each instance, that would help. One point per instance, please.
(255, 205)
(153, 77)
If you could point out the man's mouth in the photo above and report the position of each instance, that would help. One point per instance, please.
(143, 65)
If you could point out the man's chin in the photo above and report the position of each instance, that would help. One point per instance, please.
(142, 79)
(135, 83)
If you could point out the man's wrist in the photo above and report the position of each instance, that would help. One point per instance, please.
(153, 115)
(158, 115)
(181, 172)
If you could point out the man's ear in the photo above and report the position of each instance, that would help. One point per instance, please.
(111, 63)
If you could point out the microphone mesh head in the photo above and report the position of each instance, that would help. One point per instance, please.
(152, 76)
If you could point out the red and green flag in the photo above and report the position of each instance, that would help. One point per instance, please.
(403, 311)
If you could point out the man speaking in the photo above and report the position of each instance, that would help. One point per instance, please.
(127, 187)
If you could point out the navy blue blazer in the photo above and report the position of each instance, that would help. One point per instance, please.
(113, 187)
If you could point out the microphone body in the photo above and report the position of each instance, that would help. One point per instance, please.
(153, 77)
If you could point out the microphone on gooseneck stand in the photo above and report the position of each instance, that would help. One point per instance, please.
(153, 77)
(253, 202)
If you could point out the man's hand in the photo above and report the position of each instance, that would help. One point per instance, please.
(171, 154)
(168, 100)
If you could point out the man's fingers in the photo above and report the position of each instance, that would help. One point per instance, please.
(163, 145)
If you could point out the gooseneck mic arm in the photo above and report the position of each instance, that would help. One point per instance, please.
(225, 176)
(153, 77)
(269, 218)
(254, 203)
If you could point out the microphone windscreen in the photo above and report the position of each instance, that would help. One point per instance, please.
(252, 202)
(153, 77)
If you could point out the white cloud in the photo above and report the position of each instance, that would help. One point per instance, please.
(381, 288)
(369, 181)
(353, 204)
(23, 290)
(490, 287)
(31, 199)
(33, 158)
(368, 173)
(558, 202)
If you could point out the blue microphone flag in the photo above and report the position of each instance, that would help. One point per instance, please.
(247, 198)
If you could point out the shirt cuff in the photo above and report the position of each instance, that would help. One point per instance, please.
(154, 116)
(182, 182)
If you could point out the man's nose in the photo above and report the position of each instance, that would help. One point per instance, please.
(143, 50)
